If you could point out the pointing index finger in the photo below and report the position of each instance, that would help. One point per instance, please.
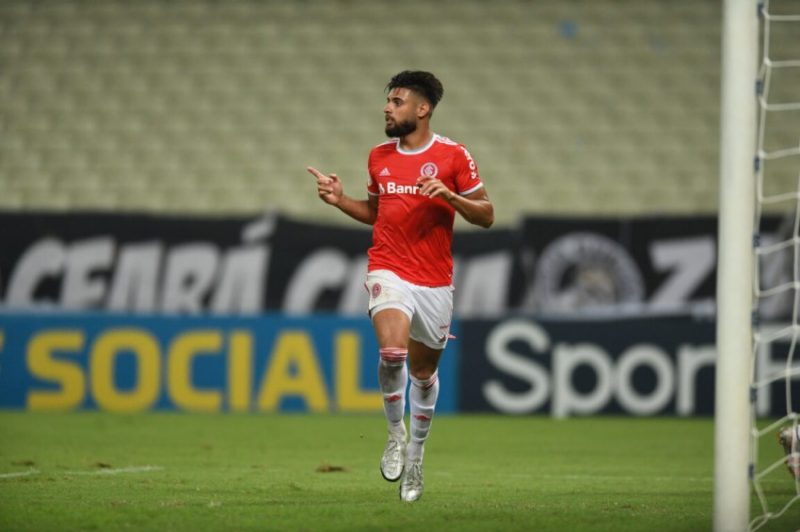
(316, 173)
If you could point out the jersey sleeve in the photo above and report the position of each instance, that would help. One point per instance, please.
(372, 184)
(468, 180)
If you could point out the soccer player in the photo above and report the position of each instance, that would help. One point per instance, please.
(418, 180)
(789, 438)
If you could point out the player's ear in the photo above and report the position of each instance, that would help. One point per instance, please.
(423, 109)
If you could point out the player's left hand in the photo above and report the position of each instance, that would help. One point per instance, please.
(432, 187)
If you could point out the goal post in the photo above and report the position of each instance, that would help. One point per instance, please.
(735, 265)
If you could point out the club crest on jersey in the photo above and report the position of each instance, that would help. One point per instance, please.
(429, 170)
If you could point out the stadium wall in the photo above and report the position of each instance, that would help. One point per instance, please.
(125, 363)
(122, 363)
(250, 265)
(554, 316)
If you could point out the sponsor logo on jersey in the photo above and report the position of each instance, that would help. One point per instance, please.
(385, 172)
(429, 170)
(394, 188)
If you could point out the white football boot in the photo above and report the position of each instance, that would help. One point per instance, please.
(411, 486)
(787, 437)
(394, 456)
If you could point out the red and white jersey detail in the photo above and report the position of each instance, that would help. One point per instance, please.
(412, 235)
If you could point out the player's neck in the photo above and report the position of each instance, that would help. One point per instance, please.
(417, 139)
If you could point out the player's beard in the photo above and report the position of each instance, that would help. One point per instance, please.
(401, 129)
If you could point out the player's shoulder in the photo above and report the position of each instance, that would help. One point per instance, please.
(446, 141)
(389, 145)
(450, 145)
(452, 148)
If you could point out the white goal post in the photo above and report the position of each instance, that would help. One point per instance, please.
(735, 265)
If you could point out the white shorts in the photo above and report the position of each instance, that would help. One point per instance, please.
(429, 309)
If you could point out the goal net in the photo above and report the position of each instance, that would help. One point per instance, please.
(775, 380)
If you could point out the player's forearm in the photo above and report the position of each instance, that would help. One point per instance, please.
(478, 212)
(357, 209)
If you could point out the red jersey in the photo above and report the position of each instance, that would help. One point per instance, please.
(413, 233)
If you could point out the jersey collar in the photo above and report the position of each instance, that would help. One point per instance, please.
(418, 150)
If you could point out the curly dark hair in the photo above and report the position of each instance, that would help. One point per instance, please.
(423, 83)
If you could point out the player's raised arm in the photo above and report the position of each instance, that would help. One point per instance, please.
(330, 190)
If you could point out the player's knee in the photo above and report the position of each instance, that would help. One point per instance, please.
(393, 356)
(424, 377)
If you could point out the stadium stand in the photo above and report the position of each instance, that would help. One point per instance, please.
(601, 107)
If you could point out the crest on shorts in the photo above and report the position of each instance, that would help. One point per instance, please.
(376, 290)
(429, 170)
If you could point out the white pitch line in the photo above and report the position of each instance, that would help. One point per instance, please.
(18, 474)
(116, 471)
(101, 472)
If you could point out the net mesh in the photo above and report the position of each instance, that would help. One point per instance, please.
(776, 330)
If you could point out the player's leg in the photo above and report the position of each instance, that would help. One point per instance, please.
(391, 328)
(391, 311)
(428, 338)
(423, 393)
(423, 364)
(789, 438)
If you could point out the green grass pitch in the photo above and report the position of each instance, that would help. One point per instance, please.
(97, 471)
